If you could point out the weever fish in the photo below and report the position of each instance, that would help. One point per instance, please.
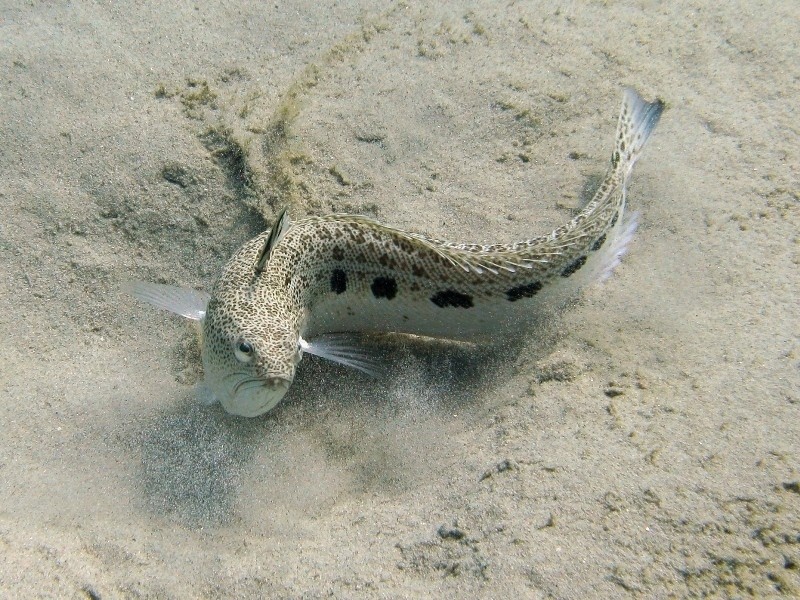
(294, 288)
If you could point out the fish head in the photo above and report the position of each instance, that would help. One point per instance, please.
(248, 362)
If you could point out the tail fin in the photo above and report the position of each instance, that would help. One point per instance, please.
(637, 119)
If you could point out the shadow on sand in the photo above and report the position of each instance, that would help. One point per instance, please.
(193, 457)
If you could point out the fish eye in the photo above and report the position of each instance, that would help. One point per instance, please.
(243, 351)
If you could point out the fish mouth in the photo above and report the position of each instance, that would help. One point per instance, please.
(252, 397)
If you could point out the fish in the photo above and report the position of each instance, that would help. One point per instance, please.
(305, 287)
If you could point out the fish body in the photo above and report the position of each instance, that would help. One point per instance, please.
(290, 290)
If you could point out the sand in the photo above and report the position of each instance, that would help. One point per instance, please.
(643, 444)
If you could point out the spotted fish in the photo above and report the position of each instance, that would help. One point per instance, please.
(298, 287)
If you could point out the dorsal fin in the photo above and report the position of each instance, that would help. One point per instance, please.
(279, 228)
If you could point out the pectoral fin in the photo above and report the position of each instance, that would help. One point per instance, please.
(186, 302)
(341, 349)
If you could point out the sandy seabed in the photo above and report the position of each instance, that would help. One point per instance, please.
(644, 444)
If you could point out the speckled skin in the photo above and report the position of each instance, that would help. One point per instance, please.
(348, 273)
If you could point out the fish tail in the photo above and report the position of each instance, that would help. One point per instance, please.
(637, 119)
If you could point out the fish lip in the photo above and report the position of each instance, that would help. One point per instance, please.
(242, 382)
(249, 388)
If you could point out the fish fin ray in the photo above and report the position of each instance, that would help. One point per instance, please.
(185, 302)
(612, 255)
(276, 233)
(341, 349)
(637, 120)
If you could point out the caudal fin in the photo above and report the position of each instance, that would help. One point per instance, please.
(637, 119)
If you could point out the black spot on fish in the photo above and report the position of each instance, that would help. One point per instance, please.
(337, 253)
(386, 261)
(384, 287)
(403, 244)
(571, 268)
(615, 219)
(529, 290)
(338, 281)
(452, 298)
(614, 159)
(599, 243)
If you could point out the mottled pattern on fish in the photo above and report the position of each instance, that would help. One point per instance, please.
(346, 273)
